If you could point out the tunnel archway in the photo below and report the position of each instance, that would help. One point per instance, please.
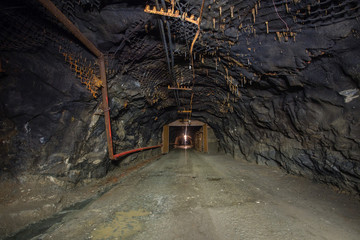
(185, 134)
(183, 141)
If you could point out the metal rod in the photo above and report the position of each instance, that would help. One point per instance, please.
(165, 44)
(135, 150)
(163, 37)
(195, 38)
(176, 93)
(169, 37)
(106, 109)
(172, 59)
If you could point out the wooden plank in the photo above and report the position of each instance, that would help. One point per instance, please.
(205, 138)
(165, 139)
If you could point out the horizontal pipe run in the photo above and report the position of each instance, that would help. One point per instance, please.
(133, 151)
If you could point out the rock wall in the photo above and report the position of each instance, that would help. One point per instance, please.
(213, 142)
(50, 124)
(307, 123)
(287, 99)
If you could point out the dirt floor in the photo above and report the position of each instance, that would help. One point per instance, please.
(189, 195)
(30, 199)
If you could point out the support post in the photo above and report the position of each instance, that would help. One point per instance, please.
(165, 139)
(205, 138)
(105, 105)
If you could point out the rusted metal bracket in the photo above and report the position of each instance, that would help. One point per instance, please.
(135, 150)
(180, 88)
(172, 13)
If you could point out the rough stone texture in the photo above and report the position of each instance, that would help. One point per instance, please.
(51, 125)
(286, 96)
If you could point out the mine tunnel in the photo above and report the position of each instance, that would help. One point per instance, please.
(179, 119)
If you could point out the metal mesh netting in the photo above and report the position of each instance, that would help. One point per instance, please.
(24, 29)
(70, 7)
(182, 31)
(28, 27)
(155, 79)
(21, 31)
(23, 26)
(152, 77)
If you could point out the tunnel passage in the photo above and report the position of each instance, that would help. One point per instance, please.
(193, 134)
(276, 81)
(184, 137)
(272, 82)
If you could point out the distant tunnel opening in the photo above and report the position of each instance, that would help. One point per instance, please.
(182, 137)
(196, 135)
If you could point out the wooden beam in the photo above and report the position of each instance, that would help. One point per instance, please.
(205, 138)
(165, 139)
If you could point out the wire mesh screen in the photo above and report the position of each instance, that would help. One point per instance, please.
(28, 27)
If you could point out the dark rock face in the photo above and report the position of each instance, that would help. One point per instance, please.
(277, 81)
(308, 124)
(51, 125)
(51, 113)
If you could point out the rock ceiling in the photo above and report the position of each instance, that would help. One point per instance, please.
(242, 45)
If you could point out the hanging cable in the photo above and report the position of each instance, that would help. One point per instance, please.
(195, 38)
(171, 48)
(287, 28)
(163, 37)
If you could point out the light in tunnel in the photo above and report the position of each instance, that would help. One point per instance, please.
(182, 135)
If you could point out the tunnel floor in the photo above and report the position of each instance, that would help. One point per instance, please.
(190, 195)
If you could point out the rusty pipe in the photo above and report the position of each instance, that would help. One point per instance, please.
(105, 105)
(195, 38)
(135, 150)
